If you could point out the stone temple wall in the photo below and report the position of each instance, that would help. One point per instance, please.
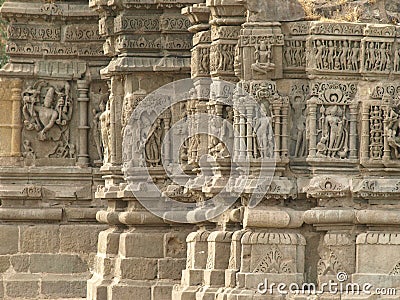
(77, 208)
(50, 148)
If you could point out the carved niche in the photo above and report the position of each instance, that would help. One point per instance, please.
(99, 98)
(332, 121)
(274, 107)
(260, 54)
(47, 111)
(298, 144)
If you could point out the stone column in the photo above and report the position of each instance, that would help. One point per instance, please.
(192, 276)
(277, 128)
(337, 247)
(250, 129)
(284, 133)
(83, 101)
(365, 132)
(219, 243)
(150, 48)
(242, 132)
(10, 122)
(353, 130)
(312, 123)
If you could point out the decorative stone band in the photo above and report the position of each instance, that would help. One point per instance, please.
(272, 238)
(46, 10)
(378, 238)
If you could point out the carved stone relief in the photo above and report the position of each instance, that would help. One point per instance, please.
(47, 111)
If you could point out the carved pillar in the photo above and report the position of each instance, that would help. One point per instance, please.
(242, 131)
(312, 123)
(16, 88)
(364, 142)
(116, 96)
(249, 119)
(219, 243)
(353, 130)
(10, 122)
(277, 128)
(150, 46)
(285, 134)
(192, 276)
(336, 249)
(83, 101)
(227, 16)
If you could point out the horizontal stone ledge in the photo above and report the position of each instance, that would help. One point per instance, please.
(271, 217)
(329, 216)
(378, 217)
(63, 9)
(81, 213)
(31, 214)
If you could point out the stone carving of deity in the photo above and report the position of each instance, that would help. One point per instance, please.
(264, 134)
(96, 128)
(42, 116)
(225, 134)
(47, 110)
(263, 58)
(154, 144)
(301, 139)
(105, 125)
(334, 133)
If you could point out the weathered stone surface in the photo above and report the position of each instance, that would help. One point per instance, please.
(66, 286)
(274, 10)
(170, 268)
(141, 291)
(385, 11)
(138, 268)
(79, 238)
(22, 286)
(57, 263)
(4, 263)
(142, 244)
(20, 263)
(10, 236)
(314, 195)
(40, 238)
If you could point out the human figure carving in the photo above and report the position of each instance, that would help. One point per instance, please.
(105, 132)
(355, 51)
(392, 127)
(263, 58)
(96, 129)
(334, 134)
(344, 56)
(319, 54)
(153, 144)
